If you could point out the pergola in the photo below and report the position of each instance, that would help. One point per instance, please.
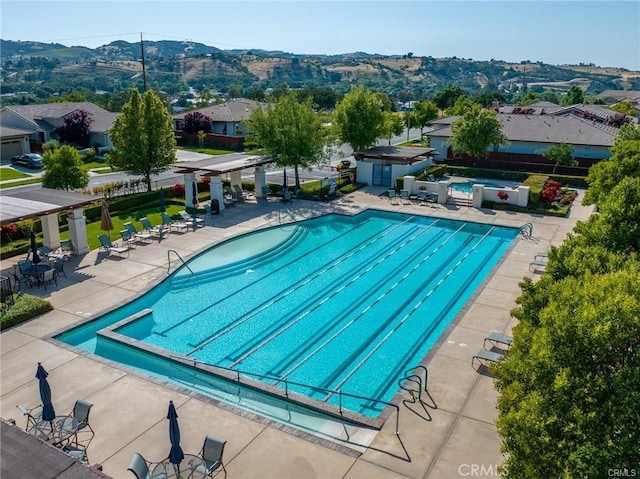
(216, 169)
(46, 203)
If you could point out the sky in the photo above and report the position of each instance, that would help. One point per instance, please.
(605, 33)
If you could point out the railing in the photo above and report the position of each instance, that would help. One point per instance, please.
(238, 373)
(416, 378)
(295, 220)
(526, 230)
(179, 257)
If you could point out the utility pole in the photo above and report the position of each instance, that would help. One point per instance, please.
(144, 71)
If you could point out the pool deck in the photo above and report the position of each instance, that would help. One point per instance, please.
(454, 439)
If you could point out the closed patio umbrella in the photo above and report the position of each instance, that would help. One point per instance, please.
(194, 194)
(48, 413)
(34, 249)
(175, 454)
(162, 206)
(105, 219)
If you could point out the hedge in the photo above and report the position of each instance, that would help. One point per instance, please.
(24, 308)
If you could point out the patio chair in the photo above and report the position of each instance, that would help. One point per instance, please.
(147, 226)
(187, 218)
(498, 338)
(239, 193)
(486, 356)
(211, 454)
(83, 433)
(77, 451)
(171, 224)
(58, 264)
(66, 247)
(19, 280)
(143, 469)
(33, 415)
(107, 245)
(47, 277)
(138, 235)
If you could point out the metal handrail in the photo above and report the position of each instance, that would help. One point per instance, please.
(295, 220)
(179, 257)
(526, 230)
(287, 383)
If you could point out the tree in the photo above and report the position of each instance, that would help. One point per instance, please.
(562, 154)
(392, 125)
(143, 137)
(75, 128)
(605, 175)
(628, 131)
(624, 107)
(476, 131)
(462, 105)
(358, 118)
(423, 113)
(447, 97)
(291, 132)
(195, 121)
(573, 97)
(63, 169)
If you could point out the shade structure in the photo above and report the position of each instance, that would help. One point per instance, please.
(48, 413)
(161, 200)
(34, 249)
(175, 454)
(105, 218)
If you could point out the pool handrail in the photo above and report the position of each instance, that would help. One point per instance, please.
(287, 382)
(295, 220)
(179, 257)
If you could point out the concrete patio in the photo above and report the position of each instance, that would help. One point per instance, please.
(454, 439)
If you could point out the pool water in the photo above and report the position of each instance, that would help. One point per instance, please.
(333, 303)
(467, 186)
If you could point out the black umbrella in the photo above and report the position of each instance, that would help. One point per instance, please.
(194, 194)
(175, 454)
(48, 413)
(162, 207)
(34, 249)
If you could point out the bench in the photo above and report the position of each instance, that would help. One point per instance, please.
(498, 338)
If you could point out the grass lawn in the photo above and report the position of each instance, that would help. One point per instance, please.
(206, 151)
(11, 174)
(20, 183)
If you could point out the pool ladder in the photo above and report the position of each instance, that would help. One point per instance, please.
(289, 213)
(526, 230)
(413, 377)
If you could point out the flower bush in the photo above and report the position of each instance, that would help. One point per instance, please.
(551, 191)
(178, 189)
(503, 195)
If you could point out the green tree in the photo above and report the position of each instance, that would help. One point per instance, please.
(462, 105)
(291, 132)
(358, 119)
(569, 397)
(392, 125)
(143, 137)
(63, 169)
(628, 131)
(423, 113)
(605, 175)
(447, 97)
(624, 107)
(561, 154)
(574, 96)
(476, 131)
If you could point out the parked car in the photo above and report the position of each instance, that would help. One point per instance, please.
(30, 160)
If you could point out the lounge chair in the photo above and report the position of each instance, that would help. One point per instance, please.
(147, 226)
(171, 224)
(538, 265)
(404, 196)
(127, 239)
(392, 195)
(486, 356)
(187, 218)
(239, 193)
(138, 235)
(143, 469)
(107, 245)
(498, 338)
(211, 453)
(431, 178)
(266, 191)
(422, 197)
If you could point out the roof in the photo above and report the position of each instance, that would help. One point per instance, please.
(229, 111)
(600, 113)
(214, 166)
(22, 205)
(19, 450)
(7, 132)
(42, 115)
(620, 95)
(548, 129)
(397, 154)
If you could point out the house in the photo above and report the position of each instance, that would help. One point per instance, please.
(588, 128)
(26, 127)
(381, 165)
(227, 121)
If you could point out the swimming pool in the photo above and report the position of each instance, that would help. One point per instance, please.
(467, 186)
(333, 304)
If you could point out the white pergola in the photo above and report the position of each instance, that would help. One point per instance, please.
(46, 203)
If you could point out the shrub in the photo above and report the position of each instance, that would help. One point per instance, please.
(24, 308)
(178, 189)
(535, 184)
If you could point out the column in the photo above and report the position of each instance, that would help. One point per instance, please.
(478, 192)
(407, 184)
(216, 191)
(189, 179)
(236, 179)
(78, 230)
(259, 180)
(50, 231)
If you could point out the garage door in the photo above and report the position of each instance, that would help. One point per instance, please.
(10, 148)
